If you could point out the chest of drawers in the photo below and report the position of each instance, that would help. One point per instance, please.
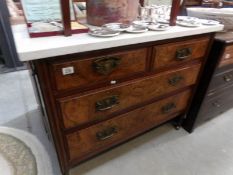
(215, 95)
(99, 99)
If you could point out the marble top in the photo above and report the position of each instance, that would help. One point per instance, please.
(44, 47)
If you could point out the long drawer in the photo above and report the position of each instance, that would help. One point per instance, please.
(99, 137)
(222, 79)
(81, 109)
(216, 104)
(104, 69)
(179, 52)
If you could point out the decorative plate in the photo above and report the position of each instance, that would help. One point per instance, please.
(188, 23)
(159, 27)
(119, 27)
(137, 29)
(103, 32)
(142, 23)
(186, 18)
(163, 21)
(209, 22)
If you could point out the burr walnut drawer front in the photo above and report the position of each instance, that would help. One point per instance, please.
(103, 69)
(94, 139)
(179, 52)
(99, 105)
(227, 57)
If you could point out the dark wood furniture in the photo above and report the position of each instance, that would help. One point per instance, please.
(193, 2)
(97, 100)
(215, 94)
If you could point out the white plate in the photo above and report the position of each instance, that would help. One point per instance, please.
(188, 24)
(134, 29)
(103, 32)
(163, 21)
(187, 18)
(141, 23)
(209, 22)
(159, 27)
(120, 27)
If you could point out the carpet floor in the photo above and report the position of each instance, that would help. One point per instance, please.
(22, 154)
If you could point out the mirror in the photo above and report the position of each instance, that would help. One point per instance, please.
(44, 16)
(80, 9)
(43, 10)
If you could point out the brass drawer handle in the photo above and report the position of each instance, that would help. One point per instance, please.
(175, 80)
(107, 103)
(183, 54)
(106, 65)
(227, 78)
(168, 108)
(106, 133)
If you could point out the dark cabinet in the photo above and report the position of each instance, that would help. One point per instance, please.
(215, 92)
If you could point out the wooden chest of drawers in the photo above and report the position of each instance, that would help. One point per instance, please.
(215, 91)
(99, 99)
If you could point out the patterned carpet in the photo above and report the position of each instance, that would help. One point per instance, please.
(19, 157)
(22, 154)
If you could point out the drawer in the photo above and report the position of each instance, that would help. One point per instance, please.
(101, 136)
(193, 2)
(222, 79)
(105, 69)
(227, 57)
(179, 52)
(216, 104)
(100, 105)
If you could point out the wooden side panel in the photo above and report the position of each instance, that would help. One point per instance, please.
(104, 135)
(82, 109)
(179, 52)
(114, 67)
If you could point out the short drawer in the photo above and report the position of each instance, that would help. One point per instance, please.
(222, 79)
(179, 52)
(100, 105)
(99, 137)
(104, 69)
(227, 57)
(216, 104)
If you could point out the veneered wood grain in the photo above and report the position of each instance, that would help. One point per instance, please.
(132, 62)
(81, 109)
(193, 2)
(165, 55)
(83, 142)
(227, 57)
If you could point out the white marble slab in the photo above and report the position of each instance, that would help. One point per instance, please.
(38, 48)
